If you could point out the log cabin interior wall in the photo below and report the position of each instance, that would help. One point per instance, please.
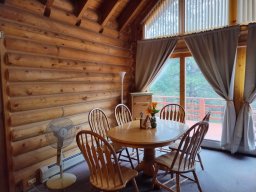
(3, 167)
(59, 59)
(63, 58)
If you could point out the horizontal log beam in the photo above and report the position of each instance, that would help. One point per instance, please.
(39, 102)
(33, 157)
(63, 52)
(63, 12)
(31, 130)
(26, 18)
(38, 115)
(23, 60)
(37, 142)
(59, 40)
(62, 16)
(36, 7)
(64, 5)
(31, 75)
(47, 88)
(90, 25)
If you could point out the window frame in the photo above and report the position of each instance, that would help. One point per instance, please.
(232, 18)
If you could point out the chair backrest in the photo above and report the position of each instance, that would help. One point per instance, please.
(101, 159)
(122, 114)
(173, 112)
(98, 122)
(189, 145)
(207, 116)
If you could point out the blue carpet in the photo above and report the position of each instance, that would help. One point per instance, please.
(223, 173)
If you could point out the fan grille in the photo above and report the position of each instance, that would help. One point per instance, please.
(60, 133)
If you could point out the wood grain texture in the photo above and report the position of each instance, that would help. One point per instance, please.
(52, 69)
(239, 78)
(27, 18)
(5, 163)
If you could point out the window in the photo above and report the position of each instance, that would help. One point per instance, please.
(246, 11)
(199, 15)
(164, 20)
(201, 98)
(166, 86)
(208, 14)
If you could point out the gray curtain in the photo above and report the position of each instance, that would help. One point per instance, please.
(215, 52)
(244, 126)
(151, 55)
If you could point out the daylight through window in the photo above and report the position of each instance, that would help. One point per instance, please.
(167, 20)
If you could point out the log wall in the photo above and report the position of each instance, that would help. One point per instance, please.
(52, 68)
(3, 160)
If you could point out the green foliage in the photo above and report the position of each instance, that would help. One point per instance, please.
(167, 82)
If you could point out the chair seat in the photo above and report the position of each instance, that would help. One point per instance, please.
(108, 185)
(165, 161)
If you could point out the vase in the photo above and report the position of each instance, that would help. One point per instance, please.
(153, 121)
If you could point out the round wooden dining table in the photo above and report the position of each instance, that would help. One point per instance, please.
(131, 135)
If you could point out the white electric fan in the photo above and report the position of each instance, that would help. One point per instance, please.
(60, 133)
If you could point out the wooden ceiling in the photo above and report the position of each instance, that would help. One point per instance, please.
(114, 14)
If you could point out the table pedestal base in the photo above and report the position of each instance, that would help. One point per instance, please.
(147, 165)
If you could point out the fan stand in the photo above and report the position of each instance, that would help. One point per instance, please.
(61, 180)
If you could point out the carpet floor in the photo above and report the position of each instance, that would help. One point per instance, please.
(223, 173)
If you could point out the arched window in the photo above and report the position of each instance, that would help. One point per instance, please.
(246, 11)
(173, 17)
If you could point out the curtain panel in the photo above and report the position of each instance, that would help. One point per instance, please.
(244, 129)
(151, 56)
(214, 52)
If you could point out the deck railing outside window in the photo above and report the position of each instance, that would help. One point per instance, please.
(197, 107)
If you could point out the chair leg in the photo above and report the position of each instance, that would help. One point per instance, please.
(119, 155)
(138, 157)
(197, 181)
(128, 155)
(177, 182)
(154, 179)
(136, 189)
(200, 161)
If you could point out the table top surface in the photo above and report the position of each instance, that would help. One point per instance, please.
(131, 135)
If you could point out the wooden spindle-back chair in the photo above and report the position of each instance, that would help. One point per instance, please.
(105, 172)
(173, 112)
(123, 115)
(207, 119)
(182, 160)
(99, 124)
(175, 145)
